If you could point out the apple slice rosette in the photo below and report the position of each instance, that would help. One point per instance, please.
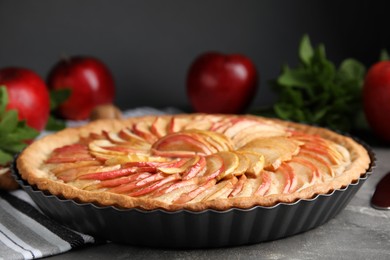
(192, 162)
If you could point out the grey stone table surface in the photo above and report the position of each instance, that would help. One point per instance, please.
(357, 232)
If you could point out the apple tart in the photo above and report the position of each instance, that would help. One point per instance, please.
(193, 162)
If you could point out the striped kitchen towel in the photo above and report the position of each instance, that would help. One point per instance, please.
(26, 233)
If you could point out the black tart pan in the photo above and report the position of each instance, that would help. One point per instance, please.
(187, 229)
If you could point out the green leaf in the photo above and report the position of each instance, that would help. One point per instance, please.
(295, 78)
(384, 55)
(58, 96)
(5, 157)
(9, 122)
(351, 69)
(54, 124)
(305, 50)
(3, 100)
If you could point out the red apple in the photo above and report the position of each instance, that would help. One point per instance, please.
(218, 83)
(28, 94)
(376, 97)
(90, 81)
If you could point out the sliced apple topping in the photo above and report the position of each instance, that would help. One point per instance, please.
(188, 159)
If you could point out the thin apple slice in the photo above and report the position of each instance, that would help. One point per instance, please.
(135, 185)
(324, 168)
(212, 139)
(127, 135)
(178, 166)
(78, 173)
(115, 173)
(117, 181)
(156, 185)
(238, 125)
(221, 190)
(250, 185)
(289, 178)
(214, 167)
(159, 126)
(244, 164)
(230, 162)
(174, 194)
(142, 129)
(74, 165)
(200, 122)
(190, 195)
(264, 187)
(134, 157)
(256, 162)
(177, 124)
(275, 150)
(179, 145)
(197, 169)
(175, 186)
(256, 131)
(238, 186)
(305, 169)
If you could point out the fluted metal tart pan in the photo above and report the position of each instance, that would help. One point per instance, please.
(187, 229)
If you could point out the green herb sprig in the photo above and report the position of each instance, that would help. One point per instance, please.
(316, 92)
(13, 132)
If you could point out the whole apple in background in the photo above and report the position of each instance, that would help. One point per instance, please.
(376, 99)
(90, 81)
(218, 83)
(28, 94)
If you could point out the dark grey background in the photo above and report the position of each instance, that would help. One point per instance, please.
(149, 45)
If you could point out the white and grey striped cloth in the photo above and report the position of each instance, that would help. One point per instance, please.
(26, 233)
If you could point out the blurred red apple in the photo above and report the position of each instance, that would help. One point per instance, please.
(376, 98)
(28, 94)
(90, 81)
(218, 83)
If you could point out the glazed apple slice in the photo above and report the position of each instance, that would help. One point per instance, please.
(324, 168)
(177, 124)
(237, 125)
(199, 122)
(245, 164)
(73, 165)
(197, 169)
(127, 135)
(238, 186)
(220, 190)
(175, 186)
(134, 157)
(159, 126)
(274, 149)
(256, 131)
(110, 183)
(180, 145)
(129, 187)
(249, 187)
(213, 140)
(214, 167)
(305, 169)
(265, 185)
(256, 162)
(288, 178)
(142, 129)
(190, 195)
(154, 186)
(230, 161)
(115, 172)
(178, 166)
(80, 172)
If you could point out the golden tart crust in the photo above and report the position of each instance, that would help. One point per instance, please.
(195, 162)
